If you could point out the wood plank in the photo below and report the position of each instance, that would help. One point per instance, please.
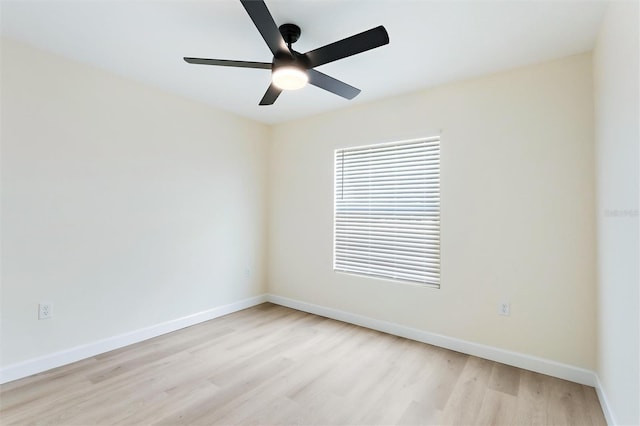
(505, 378)
(465, 403)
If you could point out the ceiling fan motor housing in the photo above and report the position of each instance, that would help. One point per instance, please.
(294, 59)
(290, 34)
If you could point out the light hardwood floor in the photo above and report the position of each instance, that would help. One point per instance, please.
(274, 365)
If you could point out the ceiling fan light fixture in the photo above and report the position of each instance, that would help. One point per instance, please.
(289, 78)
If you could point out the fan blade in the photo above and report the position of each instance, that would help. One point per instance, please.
(265, 24)
(227, 63)
(271, 95)
(332, 85)
(349, 46)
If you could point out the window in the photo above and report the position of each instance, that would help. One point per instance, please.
(387, 211)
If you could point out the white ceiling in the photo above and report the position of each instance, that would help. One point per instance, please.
(431, 42)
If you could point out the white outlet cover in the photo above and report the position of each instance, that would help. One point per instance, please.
(504, 308)
(45, 310)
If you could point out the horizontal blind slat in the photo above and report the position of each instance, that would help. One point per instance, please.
(382, 240)
(387, 272)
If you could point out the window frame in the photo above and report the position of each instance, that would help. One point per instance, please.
(431, 210)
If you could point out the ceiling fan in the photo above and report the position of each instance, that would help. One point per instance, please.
(291, 70)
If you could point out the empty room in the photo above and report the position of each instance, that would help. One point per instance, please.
(345, 212)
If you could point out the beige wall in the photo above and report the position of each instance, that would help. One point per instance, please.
(616, 72)
(517, 210)
(123, 205)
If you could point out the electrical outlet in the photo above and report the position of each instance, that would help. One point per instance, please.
(45, 310)
(504, 308)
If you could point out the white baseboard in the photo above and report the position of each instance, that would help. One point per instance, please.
(516, 359)
(604, 403)
(57, 359)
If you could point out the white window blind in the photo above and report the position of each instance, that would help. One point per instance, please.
(387, 211)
